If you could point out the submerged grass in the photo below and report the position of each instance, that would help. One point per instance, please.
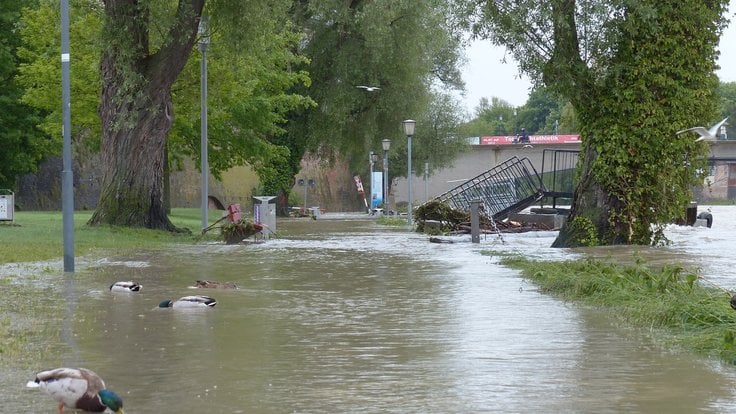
(392, 221)
(37, 236)
(27, 325)
(669, 300)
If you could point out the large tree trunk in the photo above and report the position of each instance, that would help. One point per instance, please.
(588, 222)
(136, 113)
(133, 159)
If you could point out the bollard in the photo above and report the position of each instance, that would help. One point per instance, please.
(691, 213)
(474, 221)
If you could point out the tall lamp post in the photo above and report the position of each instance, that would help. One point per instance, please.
(386, 143)
(67, 175)
(426, 176)
(204, 42)
(409, 125)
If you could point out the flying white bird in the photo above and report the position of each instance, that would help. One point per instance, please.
(369, 88)
(705, 134)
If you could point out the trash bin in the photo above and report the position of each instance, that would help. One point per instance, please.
(265, 214)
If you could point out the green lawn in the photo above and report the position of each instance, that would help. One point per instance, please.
(38, 236)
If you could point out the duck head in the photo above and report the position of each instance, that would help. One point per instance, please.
(111, 400)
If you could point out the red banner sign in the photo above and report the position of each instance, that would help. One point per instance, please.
(533, 139)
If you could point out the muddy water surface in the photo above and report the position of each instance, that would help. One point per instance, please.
(343, 315)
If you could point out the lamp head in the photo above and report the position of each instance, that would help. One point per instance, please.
(409, 127)
(204, 33)
(386, 144)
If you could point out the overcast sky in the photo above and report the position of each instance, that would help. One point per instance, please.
(485, 75)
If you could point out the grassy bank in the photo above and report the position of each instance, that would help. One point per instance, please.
(670, 302)
(37, 236)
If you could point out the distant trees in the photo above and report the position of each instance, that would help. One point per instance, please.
(727, 103)
(543, 113)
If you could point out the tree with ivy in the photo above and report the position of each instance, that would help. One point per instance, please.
(635, 72)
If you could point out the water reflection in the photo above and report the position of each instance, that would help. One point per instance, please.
(348, 316)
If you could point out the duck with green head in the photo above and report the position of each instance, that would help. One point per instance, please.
(79, 389)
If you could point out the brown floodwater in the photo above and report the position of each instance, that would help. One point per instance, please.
(342, 315)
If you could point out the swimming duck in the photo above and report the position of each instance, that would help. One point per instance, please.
(211, 284)
(125, 287)
(78, 388)
(195, 301)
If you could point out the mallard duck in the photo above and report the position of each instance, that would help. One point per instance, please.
(210, 284)
(78, 388)
(195, 301)
(125, 287)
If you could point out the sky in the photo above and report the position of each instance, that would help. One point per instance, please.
(486, 76)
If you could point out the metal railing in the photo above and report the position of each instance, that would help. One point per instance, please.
(558, 173)
(505, 189)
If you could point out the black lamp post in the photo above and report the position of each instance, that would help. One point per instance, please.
(386, 143)
(372, 159)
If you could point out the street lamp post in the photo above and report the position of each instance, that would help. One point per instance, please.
(426, 176)
(409, 125)
(67, 175)
(204, 42)
(386, 143)
(306, 183)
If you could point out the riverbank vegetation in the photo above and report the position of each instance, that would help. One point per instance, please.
(678, 307)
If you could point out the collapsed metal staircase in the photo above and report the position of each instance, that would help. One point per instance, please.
(503, 190)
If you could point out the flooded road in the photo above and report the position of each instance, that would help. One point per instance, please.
(344, 315)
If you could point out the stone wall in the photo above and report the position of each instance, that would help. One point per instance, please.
(42, 190)
(334, 188)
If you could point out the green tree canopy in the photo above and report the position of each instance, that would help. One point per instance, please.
(23, 145)
(404, 47)
(251, 62)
